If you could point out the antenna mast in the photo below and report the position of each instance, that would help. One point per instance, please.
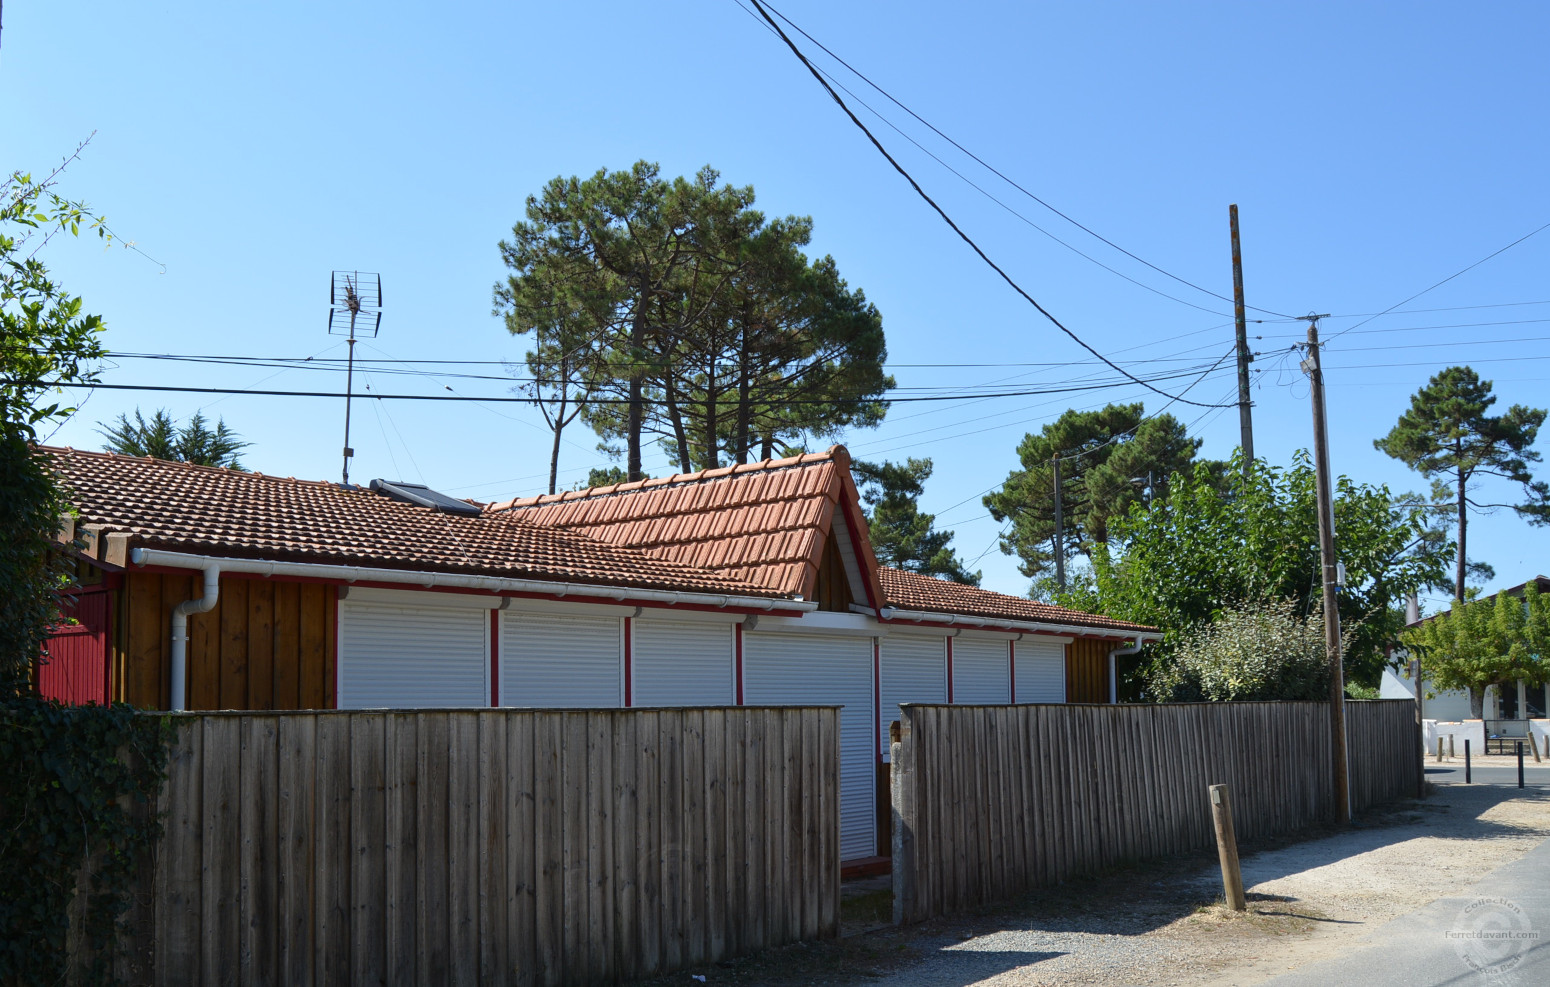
(355, 306)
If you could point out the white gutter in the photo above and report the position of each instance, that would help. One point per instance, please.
(1133, 649)
(204, 604)
(448, 580)
(957, 620)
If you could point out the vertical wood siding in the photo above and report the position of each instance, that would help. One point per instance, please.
(267, 644)
(990, 801)
(498, 846)
(1087, 670)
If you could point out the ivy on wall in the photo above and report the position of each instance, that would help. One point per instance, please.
(78, 786)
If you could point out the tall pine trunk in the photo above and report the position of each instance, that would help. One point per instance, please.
(636, 407)
(554, 450)
(744, 412)
(712, 439)
(1458, 588)
(680, 434)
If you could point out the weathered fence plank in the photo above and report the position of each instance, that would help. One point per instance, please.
(1098, 785)
(490, 846)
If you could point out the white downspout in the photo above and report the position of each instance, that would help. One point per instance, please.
(1114, 666)
(204, 604)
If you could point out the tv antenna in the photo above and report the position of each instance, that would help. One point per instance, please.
(355, 309)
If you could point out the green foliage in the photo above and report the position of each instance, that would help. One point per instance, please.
(1485, 642)
(31, 505)
(902, 537)
(46, 343)
(605, 476)
(1220, 539)
(1110, 460)
(1355, 690)
(77, 785)
(65, 772)
(675, 309)
(1251, 651)
(163, 438)
(1448, 436)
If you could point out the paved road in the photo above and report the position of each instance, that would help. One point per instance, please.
(1495, 770)
(1416, 949)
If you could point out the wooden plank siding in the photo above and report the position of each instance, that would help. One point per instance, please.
(493, 846)
(1087, 670)
(1092, 786)
(267, 645)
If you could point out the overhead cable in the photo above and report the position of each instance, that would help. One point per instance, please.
(954, 226)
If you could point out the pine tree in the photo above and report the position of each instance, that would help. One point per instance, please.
(1110, 459)
(1447, 436)
(163, 438)
(903, 537)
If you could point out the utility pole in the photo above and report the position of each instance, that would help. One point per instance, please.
(1245, 416)
(1060, 542)
(1330, 572)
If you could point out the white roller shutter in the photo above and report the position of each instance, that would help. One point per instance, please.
(914, 670)
(982, 671)
(402, 657)
(682, 663)
(812, 669)
(561, 661)
(1041, 671)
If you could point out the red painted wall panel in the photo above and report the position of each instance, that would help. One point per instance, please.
(77, 666)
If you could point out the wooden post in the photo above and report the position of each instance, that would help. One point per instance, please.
(1245, 416)
(901, 756)
(1451, 748)
(1227, 847)
(1439, 748)
(1533, 747)
(1467, 778)
(1520, 763)
(1330, 575)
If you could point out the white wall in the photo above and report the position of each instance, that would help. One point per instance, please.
(1450, 705)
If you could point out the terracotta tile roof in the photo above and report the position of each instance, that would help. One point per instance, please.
(764, 522)
(912, 591)
(248, 515)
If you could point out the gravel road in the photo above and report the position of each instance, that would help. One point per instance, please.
(1162, 923)
(1308, 900)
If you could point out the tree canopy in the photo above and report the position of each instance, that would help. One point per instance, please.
(47, 342)
(1448, 436)
(1252, 651)
(902, 536)
(1110, 460)
(674, 309)
(163, 438)
(1224, 538)
(1485, 642)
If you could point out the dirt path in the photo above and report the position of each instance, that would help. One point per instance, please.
(1161, 924)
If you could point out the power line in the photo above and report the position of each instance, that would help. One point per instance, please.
(682, 402)
(993, 170)
(949, 221)
(1444, 281)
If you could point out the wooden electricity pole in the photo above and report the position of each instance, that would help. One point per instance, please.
(1245, 416)
(1060, 541)
(1330, 572)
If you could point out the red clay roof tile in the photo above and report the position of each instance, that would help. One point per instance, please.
(912, 591)
(764, 521)
(218, 511)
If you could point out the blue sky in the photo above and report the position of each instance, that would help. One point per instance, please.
(1373, 149)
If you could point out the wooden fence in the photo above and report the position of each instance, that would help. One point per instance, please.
(989, 801)
(502, 846)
